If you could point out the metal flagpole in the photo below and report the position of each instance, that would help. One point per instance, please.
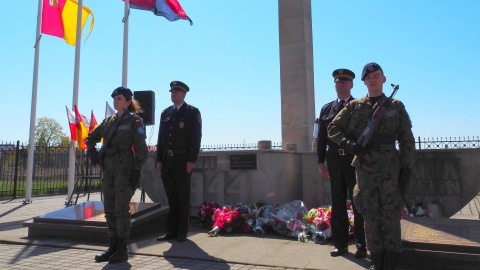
(125, 43)
(76, 74)
(33, 110)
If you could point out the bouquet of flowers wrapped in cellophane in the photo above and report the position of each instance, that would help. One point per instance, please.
(205, 213)
(228, 219)
(318, 224)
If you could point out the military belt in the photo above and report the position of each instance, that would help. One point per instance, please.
(381, 146)
(175, 152)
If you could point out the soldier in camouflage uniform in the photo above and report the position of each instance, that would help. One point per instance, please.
(122, 156)
(178, 146)
(380, 167)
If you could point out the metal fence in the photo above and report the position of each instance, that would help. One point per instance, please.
(448, 143)
(50, 171)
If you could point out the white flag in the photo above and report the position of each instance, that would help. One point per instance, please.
(109, 111)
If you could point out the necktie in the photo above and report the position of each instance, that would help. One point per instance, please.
(341, 104)
(176, 110)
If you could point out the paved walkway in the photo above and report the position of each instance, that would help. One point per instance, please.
(227, 251)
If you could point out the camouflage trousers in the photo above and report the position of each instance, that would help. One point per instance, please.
(117, 194)
(378, 199)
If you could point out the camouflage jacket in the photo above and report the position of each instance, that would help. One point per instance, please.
(130, 133)
(395, 126)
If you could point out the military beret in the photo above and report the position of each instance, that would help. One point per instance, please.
(122, 91)
(178, 85)
(343, 74)
(369, 68)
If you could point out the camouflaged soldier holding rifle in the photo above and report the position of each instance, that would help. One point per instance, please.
(123, 153)
(380, 167)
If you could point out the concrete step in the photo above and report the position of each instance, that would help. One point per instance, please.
(86, 221)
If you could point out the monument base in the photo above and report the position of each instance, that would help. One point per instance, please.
(86, 221)
(447, 243)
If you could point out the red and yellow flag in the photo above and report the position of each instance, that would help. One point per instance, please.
(82, 130)
(93, 123)
(59, 18)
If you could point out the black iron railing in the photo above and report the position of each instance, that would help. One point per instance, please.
(448, 143)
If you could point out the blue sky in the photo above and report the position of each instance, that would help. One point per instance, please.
(230, 60)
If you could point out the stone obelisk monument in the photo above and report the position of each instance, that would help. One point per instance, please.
(296, 73)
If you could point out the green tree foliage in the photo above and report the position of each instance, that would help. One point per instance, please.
(48, 132)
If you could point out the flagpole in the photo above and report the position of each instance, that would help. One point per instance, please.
(33, 110)
(125, 43)
(76, 75)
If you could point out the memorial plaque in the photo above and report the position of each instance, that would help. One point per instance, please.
(243, 162)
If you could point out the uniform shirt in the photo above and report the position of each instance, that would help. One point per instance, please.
(181, 131)
(327, 113)
(130, 135)
(395, 126)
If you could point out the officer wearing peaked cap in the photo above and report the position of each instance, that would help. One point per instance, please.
(178, 85)
(178, 146)
(339, 170)
(343, 74)
(380, 167)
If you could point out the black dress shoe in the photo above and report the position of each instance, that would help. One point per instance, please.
(338, 251)
(166, 236)
(181, 238)
(361, 253)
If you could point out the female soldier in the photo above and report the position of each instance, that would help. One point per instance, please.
(123, 153)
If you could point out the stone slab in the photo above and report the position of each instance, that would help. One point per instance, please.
(441, 234)
(86, 221)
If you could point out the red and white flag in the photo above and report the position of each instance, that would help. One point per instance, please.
(170, 9)
(71, 124)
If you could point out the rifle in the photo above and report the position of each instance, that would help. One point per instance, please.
(374, 120)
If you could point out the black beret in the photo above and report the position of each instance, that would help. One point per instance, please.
(178, 85)
(122, 91)
(343, 74)
(369, 68)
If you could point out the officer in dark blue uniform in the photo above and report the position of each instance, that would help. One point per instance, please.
(339, 171)
(178, 145)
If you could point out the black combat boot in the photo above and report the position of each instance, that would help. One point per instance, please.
(121, 255)
(377, 261)
(391, 260)
(103, 257)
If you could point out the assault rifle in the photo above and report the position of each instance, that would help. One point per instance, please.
(374, 120)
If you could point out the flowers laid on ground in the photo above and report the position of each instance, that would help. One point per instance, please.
(205, 213)
(416, 210)
(292, 219)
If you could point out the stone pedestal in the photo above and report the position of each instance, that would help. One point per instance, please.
(296, 72)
